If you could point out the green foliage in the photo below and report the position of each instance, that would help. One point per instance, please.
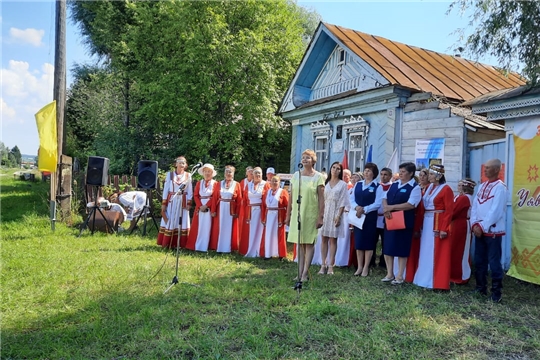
(10, 158)
(199, 78)
(508, 30)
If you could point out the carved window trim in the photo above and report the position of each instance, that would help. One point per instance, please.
(321, 130)
(356, 125)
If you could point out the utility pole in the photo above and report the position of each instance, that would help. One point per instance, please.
(61, 183)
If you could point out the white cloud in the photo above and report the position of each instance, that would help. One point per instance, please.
(25, 90)
(20, 82)
(30, 36)
(8, 113)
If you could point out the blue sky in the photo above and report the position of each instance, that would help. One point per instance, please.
(28, 48)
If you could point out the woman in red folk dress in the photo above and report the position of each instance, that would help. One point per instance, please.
(225, 229)
(252, 231)
(460, 233)
(205, 195)
(174, 204)
(412, 262)
(433, 270)
(274, 210)
(243, 205)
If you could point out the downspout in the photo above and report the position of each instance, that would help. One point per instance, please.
(398, 127)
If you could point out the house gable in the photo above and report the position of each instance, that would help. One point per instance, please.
(342, 72)
(321, 74)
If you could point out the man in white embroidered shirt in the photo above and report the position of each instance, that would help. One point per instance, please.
(488, 219)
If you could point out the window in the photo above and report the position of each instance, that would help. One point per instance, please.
(341, 56)
(321, 150)
(322, 133)
(357, 130)
(356, 152)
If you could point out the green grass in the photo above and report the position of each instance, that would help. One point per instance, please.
(102, 297)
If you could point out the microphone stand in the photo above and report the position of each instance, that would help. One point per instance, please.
(298, 284)
(180, 192)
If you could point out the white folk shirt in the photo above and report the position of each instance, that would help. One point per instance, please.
(489, 208)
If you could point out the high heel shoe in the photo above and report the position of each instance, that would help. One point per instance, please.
(323, 270)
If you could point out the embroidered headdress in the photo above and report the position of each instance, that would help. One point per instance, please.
(437, 169)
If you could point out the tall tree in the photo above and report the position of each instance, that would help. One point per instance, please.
(506, 29)
(16, 155)
(205, 77)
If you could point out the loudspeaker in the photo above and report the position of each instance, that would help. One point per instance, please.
(97, 171)
(147, 175)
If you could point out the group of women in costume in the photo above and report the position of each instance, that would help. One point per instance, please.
(430, 249)
(246, 216)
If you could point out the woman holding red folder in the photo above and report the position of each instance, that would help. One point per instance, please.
(404, 195)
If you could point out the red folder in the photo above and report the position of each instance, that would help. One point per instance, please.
(397, 222)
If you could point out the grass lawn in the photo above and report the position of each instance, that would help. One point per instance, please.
(102, 296)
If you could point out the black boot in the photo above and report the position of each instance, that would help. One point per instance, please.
(480, 291)
(481, 285)
(496, 290)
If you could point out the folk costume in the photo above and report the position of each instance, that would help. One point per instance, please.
(433, 270)
(225, 229)
(460, 236)
(253, 228)
(345, 253)
(242, 245)
(274, 211)
(489, 212)
(177, 204)
(206, 193)
(133, 202)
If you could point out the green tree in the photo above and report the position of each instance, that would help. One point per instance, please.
(17, 157)
(509, 30)
(201, 78)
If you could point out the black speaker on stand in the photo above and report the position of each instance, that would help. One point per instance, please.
(147, 180)
(97, 172)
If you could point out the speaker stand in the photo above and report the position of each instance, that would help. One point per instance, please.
(144, 214)
(92, 214)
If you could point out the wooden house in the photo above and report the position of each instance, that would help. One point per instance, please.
(354, 91)
(519, 108)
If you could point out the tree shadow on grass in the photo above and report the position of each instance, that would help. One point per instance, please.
(23, 199)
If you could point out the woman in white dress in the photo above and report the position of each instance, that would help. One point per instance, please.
(336, 198)
(345, 244)
(274, 211)
(205, 196)
(173, 202)
(253, 227)
(225, 230)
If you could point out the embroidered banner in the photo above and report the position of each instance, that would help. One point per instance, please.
(525, 263)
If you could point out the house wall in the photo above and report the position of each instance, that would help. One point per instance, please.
(373, 107)
(436, 123)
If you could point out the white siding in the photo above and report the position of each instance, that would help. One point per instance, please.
(436, 123)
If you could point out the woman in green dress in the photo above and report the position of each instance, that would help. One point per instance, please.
(311, 211)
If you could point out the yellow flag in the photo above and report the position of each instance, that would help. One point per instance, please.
(48, 145)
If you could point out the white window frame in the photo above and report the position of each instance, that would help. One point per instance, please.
(321, 130)
(339, 53)
(356, 126)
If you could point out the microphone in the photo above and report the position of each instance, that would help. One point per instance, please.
(300, 166)
(197, 166)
